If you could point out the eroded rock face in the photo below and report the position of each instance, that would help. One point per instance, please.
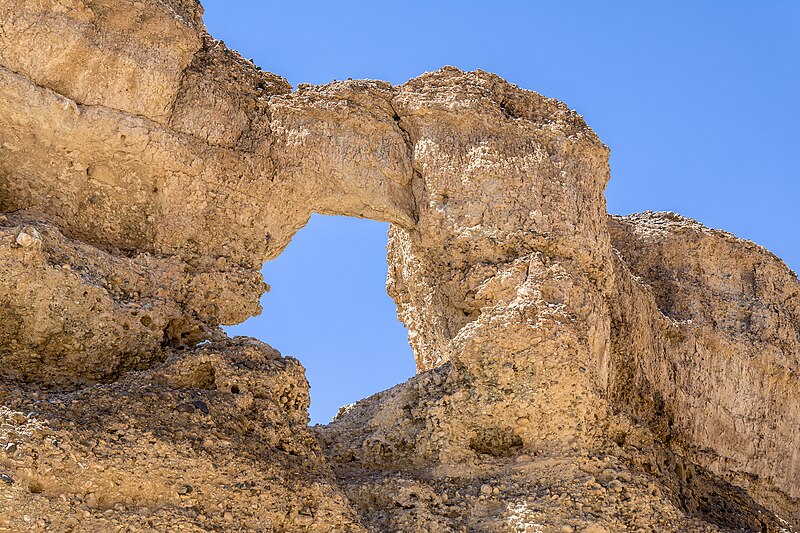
(129, 57)
(721, 359)
(213, 438)
(73, 313)
(513, 190)
(576, 371)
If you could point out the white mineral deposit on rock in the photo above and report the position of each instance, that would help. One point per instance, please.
(28, 237)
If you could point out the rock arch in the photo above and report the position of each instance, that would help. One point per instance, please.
(139, 215)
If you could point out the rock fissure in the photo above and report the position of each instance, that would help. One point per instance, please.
(417, 181)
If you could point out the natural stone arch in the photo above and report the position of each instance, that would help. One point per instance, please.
(144, 188)
(531, 326)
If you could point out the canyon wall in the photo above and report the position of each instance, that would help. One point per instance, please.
(576, 371)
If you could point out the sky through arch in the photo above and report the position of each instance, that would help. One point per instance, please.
(329, 308)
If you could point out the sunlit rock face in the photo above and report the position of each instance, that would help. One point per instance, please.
(576, 371)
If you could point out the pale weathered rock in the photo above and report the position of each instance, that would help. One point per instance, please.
(28, 237)
(120, 454)
(72, 313)
(717, 377)
(577, 372)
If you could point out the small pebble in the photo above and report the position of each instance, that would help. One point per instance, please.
(28, 237)
(185, 489)
(11, 448)
(201, 405)
(5, 478)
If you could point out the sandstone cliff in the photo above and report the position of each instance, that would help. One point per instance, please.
(576, 371)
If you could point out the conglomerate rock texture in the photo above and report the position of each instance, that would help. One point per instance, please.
(577, 372)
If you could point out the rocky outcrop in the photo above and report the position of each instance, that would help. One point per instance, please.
(575, 371)
(214, 438)
(72, 313)
(717, 374)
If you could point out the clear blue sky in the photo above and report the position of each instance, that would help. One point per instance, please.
(698, 100)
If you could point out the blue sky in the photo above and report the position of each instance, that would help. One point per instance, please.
(698, 101)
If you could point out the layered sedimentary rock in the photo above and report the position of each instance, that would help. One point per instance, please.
(576, 372)
(719, 357)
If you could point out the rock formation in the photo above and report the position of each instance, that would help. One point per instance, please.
(577, 372)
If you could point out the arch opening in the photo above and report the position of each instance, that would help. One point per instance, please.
(328, 307)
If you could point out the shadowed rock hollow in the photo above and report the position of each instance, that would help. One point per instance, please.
(576, 371)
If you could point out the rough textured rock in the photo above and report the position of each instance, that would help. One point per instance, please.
(576, 371)
(71, 313)
(214, 438)
(717, 376)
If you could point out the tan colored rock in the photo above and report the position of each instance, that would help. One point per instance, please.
(576, 372)
(74, 46)
(28, 237)
(213, 438)
(71, 313)
(718, 375)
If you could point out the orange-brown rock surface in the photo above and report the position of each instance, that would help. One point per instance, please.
(577, 372)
